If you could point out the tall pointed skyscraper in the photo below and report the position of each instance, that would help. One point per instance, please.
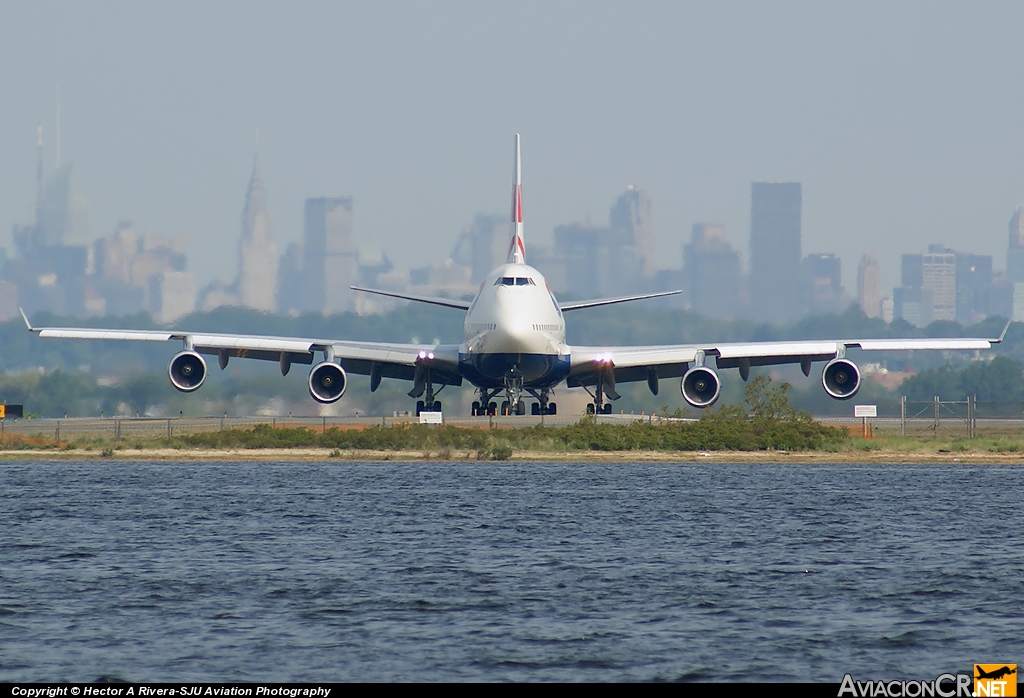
(257, 274)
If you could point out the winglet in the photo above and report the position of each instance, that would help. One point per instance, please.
(25, 318)
(1002, 334)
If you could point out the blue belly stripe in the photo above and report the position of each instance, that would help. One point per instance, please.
(489, 370)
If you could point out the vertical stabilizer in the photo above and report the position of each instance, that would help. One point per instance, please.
(516, 249)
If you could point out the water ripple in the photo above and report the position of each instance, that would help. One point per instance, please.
(508, 571)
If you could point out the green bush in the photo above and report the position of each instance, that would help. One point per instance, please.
(501, 452)
(770, 422)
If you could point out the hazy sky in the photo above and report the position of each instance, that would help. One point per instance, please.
(902, 120)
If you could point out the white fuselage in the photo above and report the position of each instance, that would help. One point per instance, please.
(514, 326)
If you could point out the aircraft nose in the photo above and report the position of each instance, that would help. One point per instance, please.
(512, 334)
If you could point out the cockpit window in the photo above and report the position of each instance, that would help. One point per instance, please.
(521, 281)
(514, 281)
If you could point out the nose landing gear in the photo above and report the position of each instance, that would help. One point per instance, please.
(514, 391)
(486, 405)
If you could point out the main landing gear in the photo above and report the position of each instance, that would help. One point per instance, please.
(605, 386)
(424, 386)
(421, 406)
(539, 408)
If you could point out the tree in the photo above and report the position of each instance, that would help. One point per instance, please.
(998, 380)
(767, 400)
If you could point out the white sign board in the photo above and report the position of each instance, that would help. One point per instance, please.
(431, 418)
(865, 410)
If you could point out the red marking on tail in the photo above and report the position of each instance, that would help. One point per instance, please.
(517, 242)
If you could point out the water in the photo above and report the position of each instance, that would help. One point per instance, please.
(518, 571)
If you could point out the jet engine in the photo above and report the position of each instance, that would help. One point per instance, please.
(327, 382)
(700, 386)
(841, 379)
(187, 371)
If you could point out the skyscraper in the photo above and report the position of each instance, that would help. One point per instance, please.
(929, 286)
(938, 274)
(483, 244)
(589, 260)
(973, 287)
(1015, 262)
(822, 279)
(869, 286)
(1017, 228)
(590, 267)
(257, 270)
(775, 250)
(712, 270)
(329, 256)
(631, 227)
(54, 254)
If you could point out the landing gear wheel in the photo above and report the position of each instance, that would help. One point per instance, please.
(535, 409)
(590, 408)
(419, 407)
(475, 411)
(552, 409)
(607, 408)
(492, 408)
(437, 406)
(521, 408)
(504, 408)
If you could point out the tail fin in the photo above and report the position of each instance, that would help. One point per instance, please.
(516, 249)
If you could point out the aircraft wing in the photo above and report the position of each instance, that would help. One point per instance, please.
(385, 359)
(669, 361)
(597, 302)
(432, 300)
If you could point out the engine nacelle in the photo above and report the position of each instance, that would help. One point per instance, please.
(841, 379)
(327, 382)
(187, 371)
(700, 386)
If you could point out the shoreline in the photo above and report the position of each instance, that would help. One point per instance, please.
(317, 455)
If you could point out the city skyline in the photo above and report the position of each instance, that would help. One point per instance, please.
(58, 267)
(408, 112)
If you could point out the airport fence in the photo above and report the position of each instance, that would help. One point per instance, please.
(944, 418)
(921, 418)
(120, 429)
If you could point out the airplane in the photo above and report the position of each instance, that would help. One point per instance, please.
(995, 673)
(514, 343)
